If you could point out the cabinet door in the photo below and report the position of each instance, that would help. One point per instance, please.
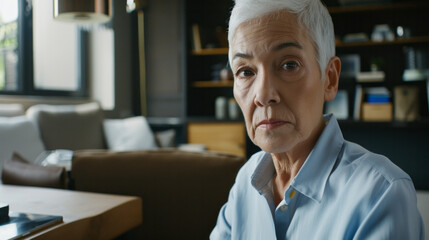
(220, 137)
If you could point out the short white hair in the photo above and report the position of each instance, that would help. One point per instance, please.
(312, 14)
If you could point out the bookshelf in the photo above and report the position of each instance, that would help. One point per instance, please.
(207, 55)
(411, 40)
(390, 55)
(203, 87)
(405, 5)
(403, 142)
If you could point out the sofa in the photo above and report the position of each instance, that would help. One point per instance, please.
(182, 192)
(43, 129)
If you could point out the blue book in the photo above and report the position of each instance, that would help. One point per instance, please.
(377, 98)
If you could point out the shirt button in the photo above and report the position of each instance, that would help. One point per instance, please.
(292, 194)
(284, 208)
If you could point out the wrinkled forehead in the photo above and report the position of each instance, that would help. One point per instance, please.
(275, 25)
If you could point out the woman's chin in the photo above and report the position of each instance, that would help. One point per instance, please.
(275, 141)
(271, 146)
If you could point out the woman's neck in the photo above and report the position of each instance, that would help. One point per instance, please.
(288, 164)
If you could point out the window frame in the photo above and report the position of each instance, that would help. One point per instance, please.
(25, 84)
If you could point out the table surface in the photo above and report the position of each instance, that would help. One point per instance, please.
(85, 215)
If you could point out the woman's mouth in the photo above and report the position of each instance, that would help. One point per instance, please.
(271, 124)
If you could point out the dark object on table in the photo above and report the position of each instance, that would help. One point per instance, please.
(4, 212)
(22, 224)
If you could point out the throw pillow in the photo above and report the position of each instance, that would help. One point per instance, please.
(11, 109)
(21, 135)
(72, 127)
(166, 138)
(129, 134)
(18, 171)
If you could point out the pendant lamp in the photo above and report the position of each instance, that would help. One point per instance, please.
(83, 11)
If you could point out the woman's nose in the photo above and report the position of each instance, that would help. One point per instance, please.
(266, 92)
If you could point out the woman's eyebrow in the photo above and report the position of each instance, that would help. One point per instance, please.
(286, 45)
(241, 55)
(274, 49)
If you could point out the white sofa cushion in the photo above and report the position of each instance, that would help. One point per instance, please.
(21, 135)
(11, 109)
(129, 134)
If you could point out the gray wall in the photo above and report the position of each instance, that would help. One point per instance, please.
(164, 53)
(123, 64)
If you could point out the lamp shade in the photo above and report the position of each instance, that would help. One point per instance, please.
(83, 11)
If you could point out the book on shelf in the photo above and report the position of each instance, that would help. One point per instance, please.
(377, 105)
(355, 37)
(368, 101)
(406, 103)
(377, 95)
(427, 91)
(374, 76)
(339, 106)
(357, 103)
(377, 112)
(350, 65)
(196, 37)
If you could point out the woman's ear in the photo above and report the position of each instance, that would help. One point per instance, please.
(332, 76)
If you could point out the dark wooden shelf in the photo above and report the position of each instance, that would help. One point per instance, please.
(392, 82)
(378, 7)
(208, 84)
(423, 123)
(210, 51)
(411, 40)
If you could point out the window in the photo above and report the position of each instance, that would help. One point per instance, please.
(8, 45)
(39, 56)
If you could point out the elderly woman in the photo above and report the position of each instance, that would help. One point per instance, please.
(308, 182)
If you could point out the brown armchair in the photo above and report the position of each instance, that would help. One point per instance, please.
(182, 192)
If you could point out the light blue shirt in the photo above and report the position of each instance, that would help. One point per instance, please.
(342, 191)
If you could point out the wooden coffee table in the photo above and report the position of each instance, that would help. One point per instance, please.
(85, 215)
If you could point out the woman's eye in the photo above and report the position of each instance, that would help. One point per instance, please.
(244, 73)
(290, 65)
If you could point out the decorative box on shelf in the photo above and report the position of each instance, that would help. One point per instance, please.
(377, 112)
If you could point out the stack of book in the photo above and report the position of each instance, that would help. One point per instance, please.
(377, 105)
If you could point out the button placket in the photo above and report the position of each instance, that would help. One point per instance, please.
(282, 218)
(284, 211)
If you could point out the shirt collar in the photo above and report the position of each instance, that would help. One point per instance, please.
(314, 173)
(263, 173)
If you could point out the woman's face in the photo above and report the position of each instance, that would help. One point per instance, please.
(277, 82)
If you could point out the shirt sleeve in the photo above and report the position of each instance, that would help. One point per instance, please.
(394, 215)
(222, 230)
